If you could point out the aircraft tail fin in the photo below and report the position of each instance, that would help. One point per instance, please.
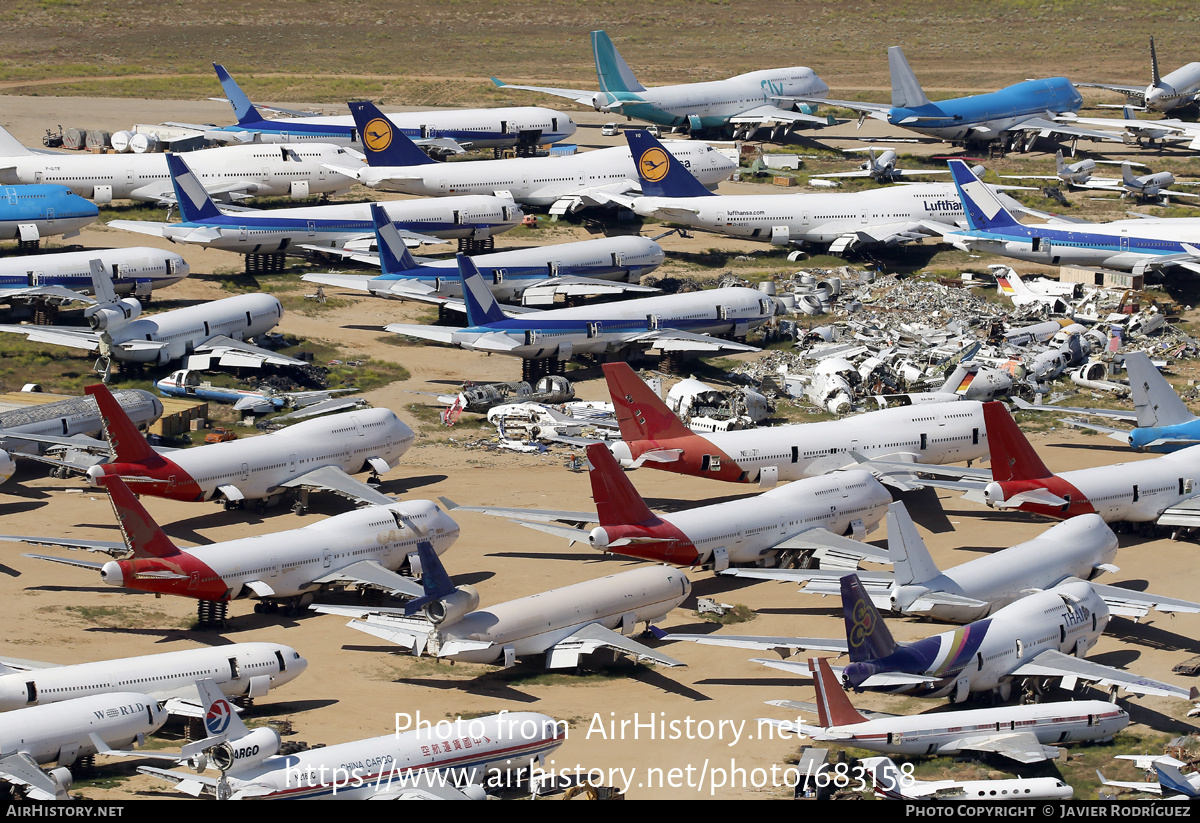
(394, 257)
(434, 580)
(984, 210)
(382, 142)
(960, 379)
(661, 175)
(1013, 458)
(142, 535)
(1154, 401)
(11, 146)
(1060, 165)
(194, 203)
(612, 71)
(102, 284)
(1155, 77)
(833, 706)
(617, 501)
(641, 414)
(220, 717)
(1127, 176)
(482, 308)
(243, 109)
(127, 442)
(911, 560)
(866, 633)
(906, 90)
(886, 776)
(1173, 780)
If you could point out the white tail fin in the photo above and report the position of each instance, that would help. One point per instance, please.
(11, 146)
(906, 90)
(911, 560)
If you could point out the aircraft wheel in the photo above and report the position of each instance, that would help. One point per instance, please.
(229, 505)
(300, 509)
(258, 608)
(260, 506)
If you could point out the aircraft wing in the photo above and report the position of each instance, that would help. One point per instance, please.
(566, 652)
(438, 334)
(193, 784)
(67, 543)
(1046, 128)
(774, 114)
(524, 514)
(333, 479)
(19, 769)
(375, 574)
(81, 339)
(811, 708)
(78, 441)
(779, 645)
(879, 680)
(571, 286)
(1129, 603)
(60, 294)
(1137, 92)
(390, 625)
(228, 352)
(673, 340)
(1052, 663)
(584, 98)
(1022, 747)
(840, 552)
(879, 111)
(1114, 414)
(1184, 513)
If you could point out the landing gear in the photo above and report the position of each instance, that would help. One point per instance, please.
(230, 505)
(534, 370)
(265, 263)
(29, 246)
(210, 614)
(798, 559)
(300, 507)
(470, 246)
(45, 315)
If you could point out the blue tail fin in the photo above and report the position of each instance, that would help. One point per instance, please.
(385, 144)
(436, 582)
(1172, 779)
(660, 173)
(394, 257)
(611, 69)
(482, 308)
(866, 633)
(194, 203)
(243, 109)
(984, 210)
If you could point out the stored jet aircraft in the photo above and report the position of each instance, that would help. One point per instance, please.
(231, 171)
(1082, 547)
(1022, 733)
(675, 323)
(1172, 784)
(891, 783)
(746, 102)
(365, 547)
(881, 168)
(559, 625)
(266, 232)
(314, 454)
(1018, 114)
(1165, 92)
(1129, 245)
(29, 213)
(440, 129)
(784, 526)
(533, 276)
(563, 184)
(239, 669)
(57, 279)
(1077, 175)
(652, 436)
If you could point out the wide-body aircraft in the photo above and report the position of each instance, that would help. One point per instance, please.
(1169, 91)
(31, 212)
(61, 278)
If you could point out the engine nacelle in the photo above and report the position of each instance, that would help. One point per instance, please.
(600, 101)
(7, 466)
(118, 314)
(63, 779)
(237, 755)
(598, 538)
(453, 607)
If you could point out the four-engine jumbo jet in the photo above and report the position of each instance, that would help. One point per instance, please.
(784, 526)
(1165, 92)
(652, 436)
(29, 213)
(564, 184)
(61, 278)
(746, 102)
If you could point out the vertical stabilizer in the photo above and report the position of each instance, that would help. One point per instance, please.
(617, 501)
(833, 706)
(394, 257)
(867, 635)
(382, 142)
(128, 444)
(911, 560)
(1154, 401)
(660, 174)
(243, 109)
(434, 580)
(220, 717)
(1013, 458)
(906, 91)
(1173, 780)
(195, 205)
(11, 146)
(482, 308)
(1155, 77)
(102, 284)
(641, 414)
(612, 71)
(142, 535)
(983, 209)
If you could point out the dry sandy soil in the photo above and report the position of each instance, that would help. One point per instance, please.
(353, 688)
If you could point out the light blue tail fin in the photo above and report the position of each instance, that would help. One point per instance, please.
(482, 308)
(384, 144)
(394, 257)
(243, 109)
(906, 91)
(660, 174)
(611, 69)
(984, 211)
(194, 203)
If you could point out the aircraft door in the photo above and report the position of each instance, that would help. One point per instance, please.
(594, 329)
(266, 173)
(651, 322)
(962, 688)
(292, 462)
(780, 235)
(312, 228)
(30, 692)
(245, 471)
(924, 441)
(326, 558)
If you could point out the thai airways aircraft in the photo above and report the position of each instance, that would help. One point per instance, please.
(652, 436)
(1082, 547)
(886, 216)
(674, 323)
(365, 547)
(249, 669)
(230, 172)
(447, 760)
(64, 732)
(217, 329)
(1165, 92)
(890, 783)
(1018, 114)
(746, 102)
(474, 217)
(795, 524)
(56, 279)
(29, 213)
(1129, 245)
(453, 129)
(1022, 733)
(560, 626)
(564, 184)
(533, 276)
(314, 454)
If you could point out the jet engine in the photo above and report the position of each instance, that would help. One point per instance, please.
(254, 748)
(104, 318)
(453, 607)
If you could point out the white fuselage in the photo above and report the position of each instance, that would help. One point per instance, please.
(46, 733)
(76, 415)
(181, 330)
(544, 181)
(714, 102)
(1175, 89)
(249, 669)
(136, 271)
(252, 170)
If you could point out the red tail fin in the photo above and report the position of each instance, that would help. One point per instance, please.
(142, 535)
(126, 441)
(640, 413)
(833, 707)
(617, 501)
(1012, 456)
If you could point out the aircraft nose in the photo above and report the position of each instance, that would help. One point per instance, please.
(111, 573)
